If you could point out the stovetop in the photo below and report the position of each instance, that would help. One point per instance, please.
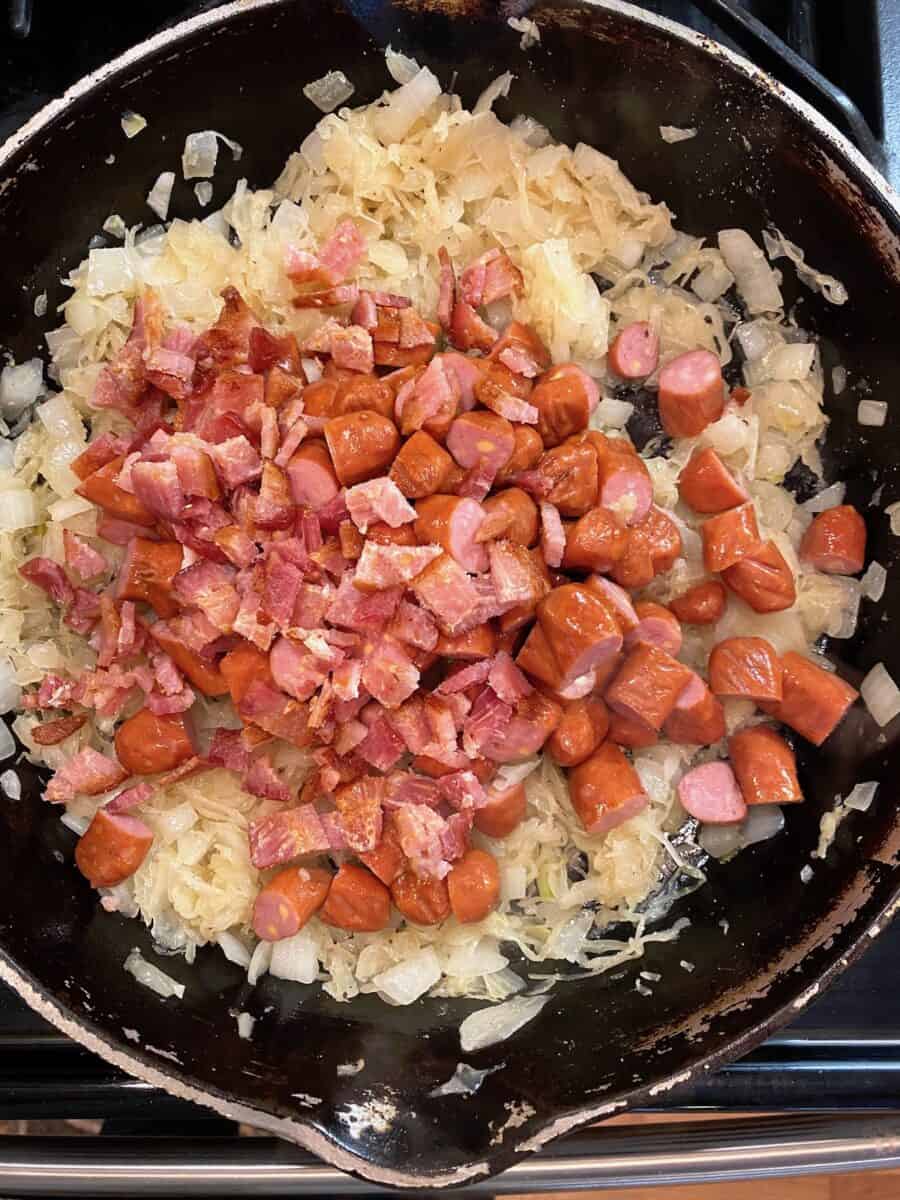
(841, 1054)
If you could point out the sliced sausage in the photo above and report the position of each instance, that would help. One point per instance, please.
(698, 718)
(617, 599)
(835, 541)
(813, 700)
(510, 514)
(527, 450)
(387, 860)
(745, 668)
(147, 572)
(729, 537)
(691, 393)
(653, 546)
(473, 886)
(422, 901)
(481, 439)
(605, 790)
(504, 811)
(288, 900)
(569, 476)
(583, 726)
(319, 399)
(356, 901)
(630, 732)
(647, 685)
(520, 348)
(580, 629)
(112, 848)
(386, 535)
(634, 353)
(765, 766)
(360, 392)
(763, 579)
(452, 522)
(243, 666)
(101, 489)
(707, 486)
(529, 727)
(421, 467)
(623, 479)
(537, 659)
(311, 475)
(703, 604)
(656, 626)
(595, 542)
(146, 743)
(477, 644)
(362, 445)
(711, 794)
(205, 676)
(564, 397)
(494, 381)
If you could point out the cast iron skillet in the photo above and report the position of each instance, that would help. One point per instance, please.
(607, 75)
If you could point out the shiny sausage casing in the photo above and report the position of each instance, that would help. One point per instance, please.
(813, 700)
(765, 766)
(605, 790)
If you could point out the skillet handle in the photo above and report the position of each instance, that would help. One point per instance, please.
(598, 1158)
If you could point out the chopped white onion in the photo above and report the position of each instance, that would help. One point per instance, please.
(531, 131)
(233, 948)
(401, 67)
(198, 159)
(73, 506)
(763, 821)
(672, 133)
(712, 281)
(842, 621)
(862, 796)
(880, 694)
(295, 958)
(405, 106)
(40, 305)
(410, 979)
(160, 195)
(495, 89)
(204, 192)
(838, 379)
(755, 338)
(329, 92)
(611, 413)
(873, 582)
(464, 1081)
(78, 825)
(531, 35)
(132, 123)
(806, 873)
(495, 1024)
(871, 412)
(755, 279)
(114, 226)
(109, 271)
(18, 510)
(245, 1023)
(152, 977)
(259, 962)
(11, 785)
(20, 386)
(829, 497)
(513, 883)
(478, 956)
(512, 773)
(10, 691)
(7, 742)
(58, 416)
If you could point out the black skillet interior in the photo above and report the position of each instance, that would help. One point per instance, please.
(609, 80)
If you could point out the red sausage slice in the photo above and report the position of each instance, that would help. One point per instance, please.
(813, 700)
(564, 397)
(605, 790)
(634, 353)
(647, 685)
(656, 626)
(745, 668)
(421, 466)
(288, 900)
(707, 486)
(765, 766)
(580, 630)
(595, 542)
(763, 580)
(835, 542)
(631, 732)
(702, 604)
(504, 812)
(481, 438)
(698, 718)
(729, 537)
(711, 794)
(691, 393)
(112, 848)
(624, 481)
(453, 522)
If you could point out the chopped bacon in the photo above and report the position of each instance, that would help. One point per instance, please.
(130, 798)
(84, 612)
(468, 331)
(106, 691)
(365, 311)
(236, 461)
(455, 834)
(275, 712)
(378, 500)
(385, 566)
(553, 535)
(157, 487)
(406, 787)
(411, 722)
(471, 284)
(507, 680)
(351, 540)
(509, 406)
(354, 609)
(413, 330)
(346, 679)
(446, 288)
(275, 508)
(502, 278)
(468, 373)
(359, 806)
(419, 831)
(261, 779)
(295, 669)
(290, 440)
(210, 587)
(514, 575)
(445, 590)
(382, 746)
(81, 557)
(166, 705)
(237, 546)
(331, 514)
(479, 481)
(351, 348)
(344, 293)
(311, 605)
(488, 719)
(120, 533)
(331, 823)
(53, 692)
(227, 750)
(341, 252)
(414, 626)
(49, 575)
(102, 450)
(87, 774)
(120, 383)
(462, 790)
(229, 339)
(465, 677)
(285, 835)
(388, 675)
(171, 370)
(51, 733)
(431, 397)
(349, 735)
(283, 582)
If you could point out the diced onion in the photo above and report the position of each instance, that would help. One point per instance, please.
(763, 821)
(488, 1026)
(160, 195)
(233, 948)
(109, 271)
(259, 962)
(245, 1023)
(474, 957)
(829, 497)
(60, 419)
(198, 159)
(531, 131)
(77, 824)
(871, 412)
(410, 979)
(712, 282)
(495, 89)
(861, 797)
(132, 123)
(401, 67)
(329, 92)
(531, 35)
(611, 413)
(114, 226)
(512, 773)
(152, 977)
(7, 742)
(755, 279)
(838, 379)
(880, 694)
(806, 873)
(10, 691)
(18, 510)
(671, 133)
(295, 958)
(40, 305)
(405, 106)
(204, 192)
(873, 582)
(11, 785)
(20, 386)
(464, 1081)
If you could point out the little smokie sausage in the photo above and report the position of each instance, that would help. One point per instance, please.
(531, 724)
(481, 438)
(205, 676)
(357, 901)
(384, 535)
(630, 732)
(478, 643)
(452, 522)
(311, 475)
(618, 601)
(424, 901)
(583, 726)
(813, 700)
(656, 626)
(745, 668)
(147, 572)
(763, 580)
(363, 392)
(146, 743)
(605, 790)
(703, 604)
(319, 399)
(362, 445)
(729, 537)
(691, 393)
(698, 718)
(536, 658)
(835, 541)
(112, 848)
(765, 766)
(569, 477)
(580, 629)
(473, 886)
(595, 542)
(653, 546)
(527, 450)
(564, 398)
(623, 479)
(387, 860)
(288, 900)
(707, 486)
(711, 794)
(243, 666)
(647, 685)
(503, 812)
(421, 466)
(634, 353)
(510, 514)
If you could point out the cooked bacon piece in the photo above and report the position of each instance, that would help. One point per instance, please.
(553, 535)
(514, 576)
(261, 779)
(378, 500)
(228, 750)
(521, 350)
(51, 578)
(282, 836)
(381, 746)
(236, 462)
(51, 733)
(419, 832)
(101, 451)
(81, 557)
(468, 331)
(382, 567)
(388, 675)
(359, 806)
(295, 669)
(507, 680)
(447, 592)
(211, 588)
(446, 288)
(351, 348)
(132, 797)
(87, 774)
(414, 626)
(355, 609)
(429, 401)
(274, 712)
